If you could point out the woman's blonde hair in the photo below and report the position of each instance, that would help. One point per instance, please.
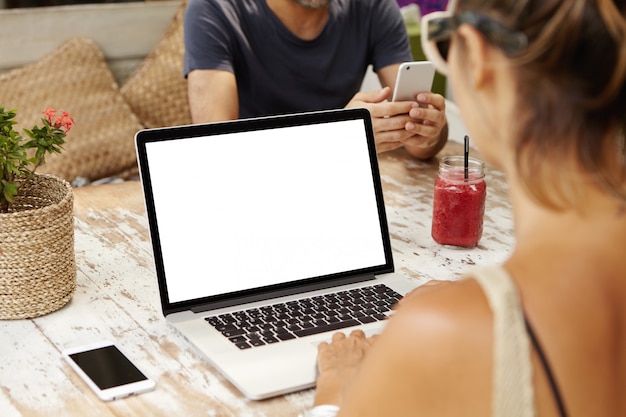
(572, 93)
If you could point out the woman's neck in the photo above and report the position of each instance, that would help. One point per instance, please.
(596, 226)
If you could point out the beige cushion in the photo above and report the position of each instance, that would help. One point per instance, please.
(76, 79)
(157, 90)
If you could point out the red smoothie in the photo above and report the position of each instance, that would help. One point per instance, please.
(459, 204)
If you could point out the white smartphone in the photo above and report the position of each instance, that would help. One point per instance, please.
(413, 78)
(107, 371)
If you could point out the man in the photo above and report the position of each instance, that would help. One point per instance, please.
(247, 58)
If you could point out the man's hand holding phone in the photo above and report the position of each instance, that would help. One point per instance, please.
(417, 123)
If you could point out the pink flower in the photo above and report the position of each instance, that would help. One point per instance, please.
(49, 113)
(66, 121)
(63, 121)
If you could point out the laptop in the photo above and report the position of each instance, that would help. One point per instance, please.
(256, 222)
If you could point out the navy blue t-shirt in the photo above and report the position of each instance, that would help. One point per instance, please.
(279, 73)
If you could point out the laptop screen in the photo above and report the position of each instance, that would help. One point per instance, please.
(239, 207)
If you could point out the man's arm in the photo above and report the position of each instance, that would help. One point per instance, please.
(387, 75)
(212, 96)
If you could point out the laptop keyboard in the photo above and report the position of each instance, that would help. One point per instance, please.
(284, 321)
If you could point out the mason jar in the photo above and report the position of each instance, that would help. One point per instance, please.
(459, 202)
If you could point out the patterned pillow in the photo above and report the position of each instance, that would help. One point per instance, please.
(157, 90)
(75, 78)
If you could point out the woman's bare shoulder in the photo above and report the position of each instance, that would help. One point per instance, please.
(444, 314)
(436, 347)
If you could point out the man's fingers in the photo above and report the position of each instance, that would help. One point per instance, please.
(432, 99)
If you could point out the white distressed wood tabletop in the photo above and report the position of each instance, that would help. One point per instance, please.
(117, 299)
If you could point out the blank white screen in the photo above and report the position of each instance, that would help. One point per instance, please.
(258, 208)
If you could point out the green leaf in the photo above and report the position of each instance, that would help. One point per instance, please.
(9, 190)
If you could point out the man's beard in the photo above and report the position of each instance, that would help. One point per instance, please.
(313, 4)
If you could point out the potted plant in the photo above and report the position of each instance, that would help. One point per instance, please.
(37, 266)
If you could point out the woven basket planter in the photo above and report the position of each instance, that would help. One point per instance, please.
(37, 265)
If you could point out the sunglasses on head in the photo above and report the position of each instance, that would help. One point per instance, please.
(438, 27)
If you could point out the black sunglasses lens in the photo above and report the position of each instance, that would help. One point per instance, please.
(443, 46)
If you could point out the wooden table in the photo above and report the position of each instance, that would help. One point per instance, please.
(117, 299)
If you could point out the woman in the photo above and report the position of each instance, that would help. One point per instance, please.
(540, 84)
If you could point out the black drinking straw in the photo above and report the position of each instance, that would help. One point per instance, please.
(466, 157)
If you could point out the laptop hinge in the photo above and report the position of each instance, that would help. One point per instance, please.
(281, 293)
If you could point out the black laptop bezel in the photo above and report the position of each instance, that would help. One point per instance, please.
(145, 136)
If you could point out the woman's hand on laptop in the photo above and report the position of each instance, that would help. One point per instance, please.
(338, 363)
